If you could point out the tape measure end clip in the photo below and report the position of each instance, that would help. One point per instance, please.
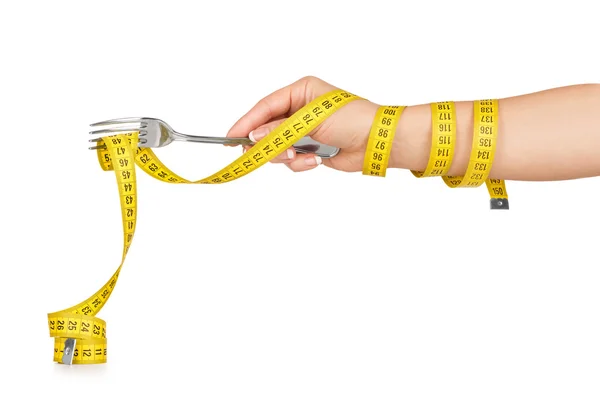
(68, 351)
(499, 203)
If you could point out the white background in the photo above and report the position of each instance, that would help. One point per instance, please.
(363, 297)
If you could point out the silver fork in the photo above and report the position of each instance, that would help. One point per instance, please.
(155, 133)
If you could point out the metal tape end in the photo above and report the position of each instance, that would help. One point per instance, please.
(69, 351)
(498, 203)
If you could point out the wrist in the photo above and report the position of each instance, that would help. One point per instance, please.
(412, 141)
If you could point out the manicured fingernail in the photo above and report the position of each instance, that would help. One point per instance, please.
(258, 134)
(313, 161)
(290, 153)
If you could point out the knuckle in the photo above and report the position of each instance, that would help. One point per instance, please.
(309, 79)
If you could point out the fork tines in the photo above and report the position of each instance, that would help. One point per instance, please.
(115, 126)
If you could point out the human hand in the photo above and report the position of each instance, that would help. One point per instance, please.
(347, 129)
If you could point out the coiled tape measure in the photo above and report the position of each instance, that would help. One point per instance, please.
(80, 336)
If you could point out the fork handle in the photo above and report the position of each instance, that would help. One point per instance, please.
(303, 146)
(212, 139)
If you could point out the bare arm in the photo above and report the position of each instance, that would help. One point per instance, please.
(548, 135)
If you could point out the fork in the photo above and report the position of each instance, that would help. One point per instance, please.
(155, 133)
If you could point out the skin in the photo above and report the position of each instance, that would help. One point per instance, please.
(543, 136)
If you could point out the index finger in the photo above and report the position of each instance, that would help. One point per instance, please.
(279, 103)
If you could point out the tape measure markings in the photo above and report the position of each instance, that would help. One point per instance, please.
(80, 322)
(381, 140)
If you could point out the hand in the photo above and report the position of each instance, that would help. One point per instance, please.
(347, 129)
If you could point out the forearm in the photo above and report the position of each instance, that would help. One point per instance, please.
(549, 135)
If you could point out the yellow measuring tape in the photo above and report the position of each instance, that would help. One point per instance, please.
(443, 128)
(80, 336)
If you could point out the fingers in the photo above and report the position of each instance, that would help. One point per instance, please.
(304, 162)
(283, 101)
(293, 160)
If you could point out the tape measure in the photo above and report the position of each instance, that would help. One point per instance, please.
(80, 336)
(443, 128)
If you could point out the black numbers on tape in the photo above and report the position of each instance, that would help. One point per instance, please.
(51, 324)
(257, 157)
(443, 106)
(477, 176)
(495, 181)
(237, 170)
(498, 190)
(386, 121)
(72, 325)
(308, 119)
(267, 149)
(96, 330)
(444, 140)
(480, 166)
(336, 99)
(127, 187)
(377, 156)
(298, 126)
(486, 130)
(126, 174)
(485, 142)
(444, 152)
(288, 134)
(61, 325)
(162, 174)
(278, 142)
(380, 145)
(317, 111)
(86, 310)
(326, 104)
(85, 326)
(445, 127)
(483, 155)
(445, 116)
(376, 166)
(87, 352)
(391, 112)
(442, 163)
(152, 167)
(486, 109)
(247, 164)
(383, 133)
(487, 119)
(129, 200)
(144, 158)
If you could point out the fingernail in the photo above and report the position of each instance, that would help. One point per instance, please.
(290, 153)
(313, 161)
(258, 134)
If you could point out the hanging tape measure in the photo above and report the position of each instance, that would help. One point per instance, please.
(80, 336)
